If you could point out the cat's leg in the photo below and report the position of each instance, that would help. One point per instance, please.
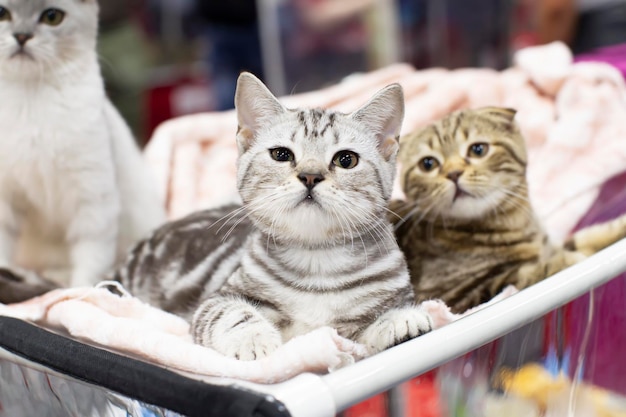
(92, 239)
(394, 327)
(594, 238)
(534, 272)
(9, 232)
(234, 328)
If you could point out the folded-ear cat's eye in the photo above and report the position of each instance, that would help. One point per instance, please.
(282, 155)
(5, 15)
(428, 164)
(52, 17)
(346, 159)
(478, 150)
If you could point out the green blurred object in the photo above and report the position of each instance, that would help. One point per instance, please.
(125, 59)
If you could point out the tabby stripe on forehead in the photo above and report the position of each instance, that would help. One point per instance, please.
(457, 125)
(331, 124)
(437, 134)
(302, 120)
(316, 115)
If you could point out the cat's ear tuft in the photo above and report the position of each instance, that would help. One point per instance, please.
(501, 112)
(255, 105)
(383, 115)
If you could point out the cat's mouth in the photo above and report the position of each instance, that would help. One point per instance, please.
(460, 193)
(309, 200)
(22, 53)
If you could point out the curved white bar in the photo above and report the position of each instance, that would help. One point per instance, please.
(387, 369)
(311, 395)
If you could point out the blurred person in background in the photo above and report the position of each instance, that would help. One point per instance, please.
(230, 29)
(125, 59)
(584, 25)
(326, 41)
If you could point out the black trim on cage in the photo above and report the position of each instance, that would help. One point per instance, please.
(133, 378)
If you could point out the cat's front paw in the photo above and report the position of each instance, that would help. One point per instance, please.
(257, 344)
(250, 342)
(395, 327)
(234, 328)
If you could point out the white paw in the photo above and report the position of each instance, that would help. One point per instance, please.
(395, 327)
(249, 342)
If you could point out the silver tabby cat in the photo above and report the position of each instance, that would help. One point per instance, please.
(310, 246)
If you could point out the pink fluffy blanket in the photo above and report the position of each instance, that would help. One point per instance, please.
(126, 325)
(572, 115)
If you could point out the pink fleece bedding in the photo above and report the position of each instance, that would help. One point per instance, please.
(572, 115)
(129, 326)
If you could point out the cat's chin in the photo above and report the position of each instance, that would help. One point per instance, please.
(308, 223)
(468, 207)
(21, 66)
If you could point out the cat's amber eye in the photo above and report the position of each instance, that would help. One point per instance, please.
(346, 159)
(5, 15)
(282, 155)
(478, 150)
(428, 164)
(52, 17)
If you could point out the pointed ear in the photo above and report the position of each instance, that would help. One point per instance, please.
(499, 112)
(383, 115)
(255, 105)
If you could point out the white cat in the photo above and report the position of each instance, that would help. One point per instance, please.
(74, 192)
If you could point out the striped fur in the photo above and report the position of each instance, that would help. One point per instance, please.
(310, 246)
(467, 227)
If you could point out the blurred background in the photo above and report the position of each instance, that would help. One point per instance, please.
(167, 58)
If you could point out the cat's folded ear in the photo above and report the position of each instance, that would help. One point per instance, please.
(500, 112)
(255, 105)
(383, 115)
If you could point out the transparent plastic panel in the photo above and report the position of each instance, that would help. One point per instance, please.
(571, 362)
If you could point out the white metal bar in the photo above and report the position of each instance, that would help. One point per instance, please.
(329, 394)
(381, 372)
(272, 52)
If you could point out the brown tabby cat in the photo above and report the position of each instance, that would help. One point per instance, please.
(467, 227)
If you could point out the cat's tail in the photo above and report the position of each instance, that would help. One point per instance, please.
(17, 285)
(143, 209)
(594, 238)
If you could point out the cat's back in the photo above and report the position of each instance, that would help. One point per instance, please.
(187, 259)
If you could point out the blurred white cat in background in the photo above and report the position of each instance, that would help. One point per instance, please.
(74, 191)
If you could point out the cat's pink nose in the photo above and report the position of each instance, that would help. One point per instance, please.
(22, 38)
(311, 180)
(454, 175)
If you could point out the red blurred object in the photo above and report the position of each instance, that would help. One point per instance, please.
(422, 396)
(174, 96)
(372, 407)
